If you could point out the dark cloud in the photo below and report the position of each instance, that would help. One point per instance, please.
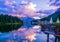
(55, 2)
(8, 7)
(47, 11)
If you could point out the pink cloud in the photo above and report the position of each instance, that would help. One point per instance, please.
(27, 10)
(30, 9)
(11, 41)
(8, 2)
(18, 15)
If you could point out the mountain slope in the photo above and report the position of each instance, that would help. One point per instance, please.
(54, 16)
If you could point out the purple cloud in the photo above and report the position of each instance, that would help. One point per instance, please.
(26, 9)
(47, 11)
(55, 2)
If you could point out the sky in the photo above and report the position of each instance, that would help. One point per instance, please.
(29, 8)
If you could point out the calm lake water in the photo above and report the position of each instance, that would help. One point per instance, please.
(26, 33)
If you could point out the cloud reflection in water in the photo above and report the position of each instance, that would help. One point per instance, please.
(24, 34)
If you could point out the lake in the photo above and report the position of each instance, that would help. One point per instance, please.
(25, 33)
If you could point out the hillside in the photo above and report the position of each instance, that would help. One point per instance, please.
(9, 23)
(54, 16)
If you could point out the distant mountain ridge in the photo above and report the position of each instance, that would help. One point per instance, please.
(54, 16)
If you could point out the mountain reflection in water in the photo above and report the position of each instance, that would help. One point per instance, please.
(20, 34)
(32, 34)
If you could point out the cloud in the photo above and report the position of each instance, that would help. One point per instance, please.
(55, 2)
(27, 10)
(9, 2)
(36, 17)
(49, 7)
(6, 5)
(47, 11)
(18, 15)
(23, 9)
(42, 15)
(24, 2)
(31, 6)
(30, 9)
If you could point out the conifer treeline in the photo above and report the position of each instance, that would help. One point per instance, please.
(9, 23)
(9, 19)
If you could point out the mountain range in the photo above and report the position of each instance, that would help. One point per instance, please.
(54, 16)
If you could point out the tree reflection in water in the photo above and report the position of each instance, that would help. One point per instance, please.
(9, 27)
(24, 35)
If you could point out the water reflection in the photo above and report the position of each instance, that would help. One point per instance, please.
(20, 35)
(23, 35)
(9, 27)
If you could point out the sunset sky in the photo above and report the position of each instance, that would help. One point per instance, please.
(29, 8)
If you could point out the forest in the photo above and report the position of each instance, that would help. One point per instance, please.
(9, 23)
